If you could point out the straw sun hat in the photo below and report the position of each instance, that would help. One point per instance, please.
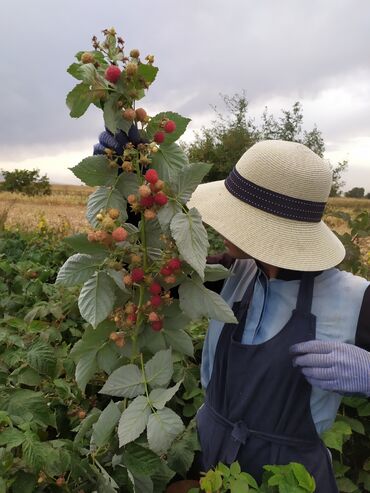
(271, 204)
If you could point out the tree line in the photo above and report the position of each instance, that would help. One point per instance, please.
(221, 143)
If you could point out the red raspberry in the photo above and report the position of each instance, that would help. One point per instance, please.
(131, 319)
(159, 137)
(137, 274)
(156, 326)
(170, 126)
(160, 198)
(147, 201)
(156, 300)
(166, 271)
(119, 234)
(174, 264)
(155, 288)
(151, 176)
(112, 74)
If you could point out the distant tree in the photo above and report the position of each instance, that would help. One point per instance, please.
(228, 137)
(338, 182)
(289, 127)
(356, 193)
(26, 182)
(367, 196)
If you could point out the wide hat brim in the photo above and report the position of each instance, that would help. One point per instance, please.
(278, 241)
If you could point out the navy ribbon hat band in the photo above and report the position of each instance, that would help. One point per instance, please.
(273, 202)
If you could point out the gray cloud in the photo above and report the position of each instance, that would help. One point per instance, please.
(288, 49)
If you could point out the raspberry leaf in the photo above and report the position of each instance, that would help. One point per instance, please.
(133, 420)
(179, 341)
(159, 397)
(168, 161)
(197, 301)
(79, 99)
(95, 171)
(105, 198)
(189, 178)
(127, 183)
(126, 381)
(159, 369)
(79, 243)
(96, 298)
(163, 428)
(105, 425)
(191, 239)
(77, 269)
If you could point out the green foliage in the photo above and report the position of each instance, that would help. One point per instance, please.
(356, 193)
(292, 478)
(228, 137)
(28, 182)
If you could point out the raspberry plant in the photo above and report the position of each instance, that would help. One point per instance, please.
(129, 269)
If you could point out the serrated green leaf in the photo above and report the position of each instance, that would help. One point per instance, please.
(179, 341)
(105, 198)
(97, 298)
(345, 485)
(181, 454)
(73, 70)
(163, 428)
(126, 381)
(133, 420)
(81, 244)
(111, 113)
(303, 477)
(139, 460)
(33, 451)
(127, 183)
(105, 425)
(336, 435)
(78, 269)
(159, 369)
(87, 73)
(235, 469)
(215, 272)
(198, 301)
(92, 339)
(11, 437)
(147, 72)
(29, 405)
(191, 239)
(168, 161)
(355, 424)
(189, 178)
(166, 213)
(159, 397)
(86, 368)
(117, 277)
(95, 171)
(42, 358)
(28, 376)
(79, 99)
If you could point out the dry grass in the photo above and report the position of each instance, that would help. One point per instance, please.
(65, 210)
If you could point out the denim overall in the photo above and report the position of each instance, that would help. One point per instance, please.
(257, 406)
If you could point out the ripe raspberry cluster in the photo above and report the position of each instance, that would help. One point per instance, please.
(109, 231)
(167, 127)
(150, 197)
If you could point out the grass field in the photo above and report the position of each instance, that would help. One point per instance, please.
(65, 209)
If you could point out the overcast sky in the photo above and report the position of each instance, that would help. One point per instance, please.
(314, 51)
